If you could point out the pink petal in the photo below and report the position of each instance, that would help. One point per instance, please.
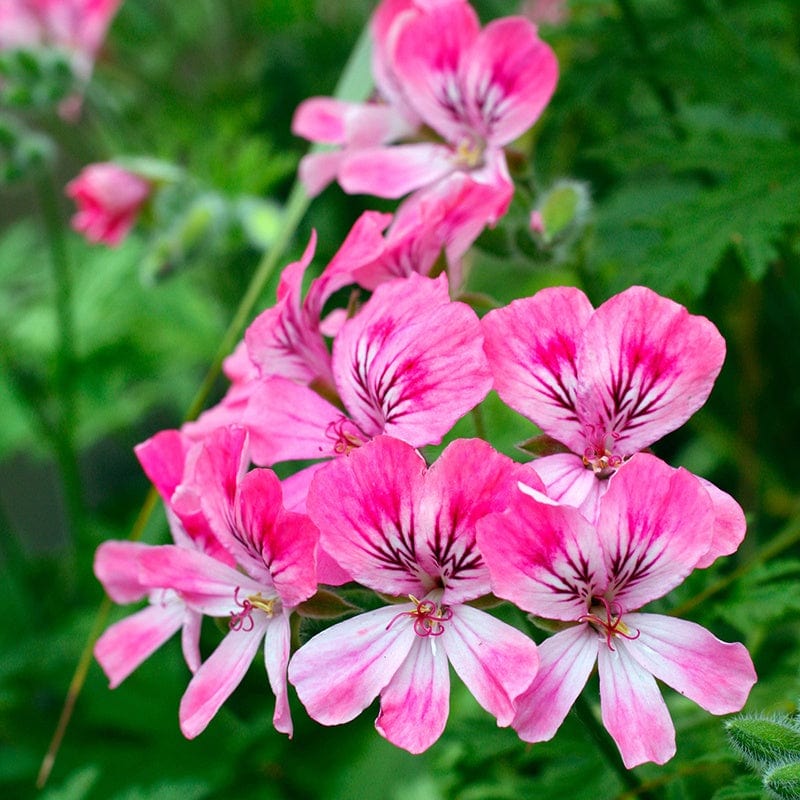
(276, 660)
(129, 642)
(394, 171)
(288, 421)
(532, 346)
(645, 365)
(654, 524)
(508, 76)
(416, 702)
(495, 661)
(717, 675)
(411, 363)
(428, 55)
(565, 662)
(205, 584)
(544, 557)
(190, 639)
(163, 457)
(340, 671)
(116, 566)
(633, 711)
(569, 482)
(468, 481)
(214, 682)
(317, 170)
(371, 527)
(729, 524)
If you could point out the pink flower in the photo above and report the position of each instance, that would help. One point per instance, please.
(654, 524)
(109, 199)
(478, 89)
(606, 383)
(409, 364)
(402, 529)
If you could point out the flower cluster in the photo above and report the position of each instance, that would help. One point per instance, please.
(584, 537)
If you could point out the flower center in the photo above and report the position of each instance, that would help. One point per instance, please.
(606, 618)
(345, 436)
(243, 620)
(469, 153)
(601, 461)
(428, 617)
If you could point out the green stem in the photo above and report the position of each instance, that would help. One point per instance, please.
(607, 747)
(480, 423)
(64, 378)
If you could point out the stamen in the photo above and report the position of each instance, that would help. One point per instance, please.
(612, 625)
(243, 620)
(469, 153)
(345, 436)
(601, 461)
(427, 616)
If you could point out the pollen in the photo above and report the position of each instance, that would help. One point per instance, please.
(428, 617)
(606, 618)
(243, 620)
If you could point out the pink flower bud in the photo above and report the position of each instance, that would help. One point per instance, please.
(109, 199)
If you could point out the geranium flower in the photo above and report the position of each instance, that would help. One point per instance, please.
(109, 199)
(654, 524)
(607, 383)
(402, 529)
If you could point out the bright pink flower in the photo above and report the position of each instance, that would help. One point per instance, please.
(402, 529)
(109, 199)
(654, 524)
(478, 89)
(606, 383)
(409, 364)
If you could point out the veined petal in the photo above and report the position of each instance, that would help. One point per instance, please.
(340, 671)
(372, 524)
(496, 662)
(729, 524)
(645, 365)
(654, 524)
(276, 660)
(416, 701)
(288, 421)
(394, 171)
(129, 642)
(565, 661)
(429, 52)
(214, 682)
(508, 75)
(468, 481)
(411, 363)
(532, 346)
(544, 557)
(633, 710)
(717, 675)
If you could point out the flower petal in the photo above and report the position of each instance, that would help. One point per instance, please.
(532, 346)
(116, 566)
(633, 710)
(496, 661)
(416, 701)
(645, 365)
(569, 482)
(129, 642)
(214, 682)
(717, 675)
(340, 671)
(729, 524)
(565, 662)
(276, 659)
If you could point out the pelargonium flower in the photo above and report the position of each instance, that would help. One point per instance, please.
(274, 552)
(653, 526)
(403, 529)
(478, 89)
(606, 383)
(109, 199)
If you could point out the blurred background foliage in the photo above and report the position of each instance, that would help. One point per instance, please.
(678, 124)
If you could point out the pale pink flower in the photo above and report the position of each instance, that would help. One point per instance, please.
(606, 383)
(409, 364)
(654, 524)
(478, 89)
(402, 529)
(109, 199)
(275, 551)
